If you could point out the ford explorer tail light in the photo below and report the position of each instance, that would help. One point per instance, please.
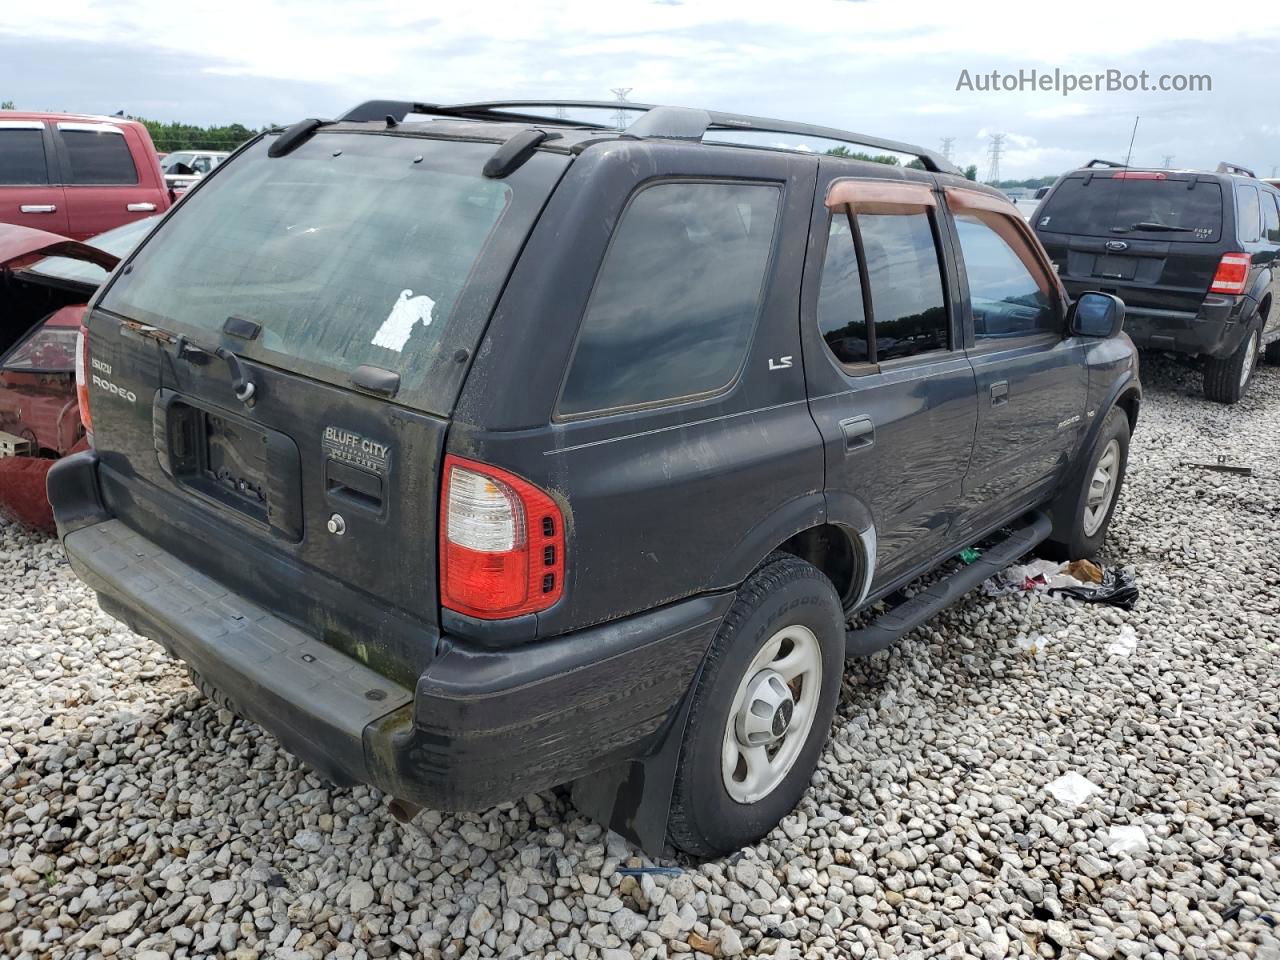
(82, 381)
(1232, 275)
(501, 543)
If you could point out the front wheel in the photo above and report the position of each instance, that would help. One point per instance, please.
(761, 709)
(1084, 508)
(1227, 380)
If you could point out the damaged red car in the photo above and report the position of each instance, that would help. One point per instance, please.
(45, 282)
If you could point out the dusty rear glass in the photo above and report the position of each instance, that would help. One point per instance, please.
(1169, 209)
(353, 249)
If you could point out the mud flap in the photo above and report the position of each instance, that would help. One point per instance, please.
(633, 798)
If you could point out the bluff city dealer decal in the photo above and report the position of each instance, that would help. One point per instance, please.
(350, 447)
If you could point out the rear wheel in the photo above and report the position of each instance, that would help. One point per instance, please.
(1226, 380)
(1084, 508)
(761, 709)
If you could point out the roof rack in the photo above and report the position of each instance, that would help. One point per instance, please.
(1104, 163)
(1225, 167)
(662, 122)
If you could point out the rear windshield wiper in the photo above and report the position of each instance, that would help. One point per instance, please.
(1152, 225)
(243, 387)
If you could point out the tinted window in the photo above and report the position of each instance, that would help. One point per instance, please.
(22, 156)
(676, 298)
(1006, 298)
(907, 303)
(1272, 217)
(348, 251)
(98, 158)
(1249, 212)
(119, 241)
(1146, 209)
(841, 314)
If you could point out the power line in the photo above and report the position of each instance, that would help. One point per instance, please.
(946, 147)
(622, 116)
(1168, 160)
(994, 152)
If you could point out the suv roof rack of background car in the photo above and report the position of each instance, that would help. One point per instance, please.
(660, 122)
(1103, 163)
(1225, 167)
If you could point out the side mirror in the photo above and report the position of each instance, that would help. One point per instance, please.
(1096, 315)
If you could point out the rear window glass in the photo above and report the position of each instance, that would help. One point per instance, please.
(119, 241)
(841, 314)
(352, 249)
(1271, 216)
(675, 302)
(98, 157)
(22, 156)
(1170, 209)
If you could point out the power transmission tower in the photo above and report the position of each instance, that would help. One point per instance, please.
(946, 147)
(993, 153)
(622, 116)
(1168, 159)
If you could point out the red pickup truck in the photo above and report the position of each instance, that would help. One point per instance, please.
(77, 175)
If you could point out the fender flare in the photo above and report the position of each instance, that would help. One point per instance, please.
(1258, 292)
(807, 510)
(1127, 385)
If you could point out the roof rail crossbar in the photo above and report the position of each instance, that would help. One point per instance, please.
(1103, 163)
(1225, 167)
(665, 119)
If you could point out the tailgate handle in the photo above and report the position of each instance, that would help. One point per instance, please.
(352, 485)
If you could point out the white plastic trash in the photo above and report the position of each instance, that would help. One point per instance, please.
(1126, 840)
(1072, 789)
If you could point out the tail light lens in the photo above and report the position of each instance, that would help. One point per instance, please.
(1232, 275)
(501, 543)
(82, 381)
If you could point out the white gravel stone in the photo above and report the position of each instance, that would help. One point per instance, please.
(138, 820)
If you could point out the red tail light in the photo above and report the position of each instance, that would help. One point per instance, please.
(82, 381)
(1232, 275)
(501, 543)
(1139, 175)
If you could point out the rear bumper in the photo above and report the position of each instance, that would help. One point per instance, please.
(1213, 329)
(482, 725)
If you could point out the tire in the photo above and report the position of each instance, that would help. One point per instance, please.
(1079, 528)
(789, 602)
(1227, 380)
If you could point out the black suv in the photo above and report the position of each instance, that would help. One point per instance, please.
(472, 451)
(1192, 254)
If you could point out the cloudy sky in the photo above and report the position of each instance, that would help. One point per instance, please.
(883, 67)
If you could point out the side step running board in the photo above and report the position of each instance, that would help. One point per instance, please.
(895, 622)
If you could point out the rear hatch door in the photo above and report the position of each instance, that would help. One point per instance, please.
(1154, 238)
(275, 369)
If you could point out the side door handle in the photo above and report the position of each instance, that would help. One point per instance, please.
(999, 392)
(859, 433)
(140, 207)
(39, 208)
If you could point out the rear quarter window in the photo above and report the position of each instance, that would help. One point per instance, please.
(1249, 214)
(675, 302)
(22, 159)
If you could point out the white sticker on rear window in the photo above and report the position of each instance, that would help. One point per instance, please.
(407, 313)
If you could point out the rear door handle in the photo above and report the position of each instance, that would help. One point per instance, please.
(141, 207)
(39, 208)
(859, 433)
(999, 392)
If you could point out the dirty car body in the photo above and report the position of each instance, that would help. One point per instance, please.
(406, 328)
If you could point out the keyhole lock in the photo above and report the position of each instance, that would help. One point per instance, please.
(336, 525)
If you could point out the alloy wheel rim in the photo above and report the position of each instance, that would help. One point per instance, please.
(1250, 358)
(1102, 488)
(772, 713)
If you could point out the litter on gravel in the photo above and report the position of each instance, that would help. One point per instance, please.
(1072, 789)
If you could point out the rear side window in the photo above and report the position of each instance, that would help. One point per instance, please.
(97, 156)
(676, 299)
(1171, 210)
(907, 302)
(1249, 213)
(841, 314)
(1006, 298)
(22, 156)
(1271, 215)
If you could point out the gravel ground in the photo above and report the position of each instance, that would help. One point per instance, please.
(139, 820)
